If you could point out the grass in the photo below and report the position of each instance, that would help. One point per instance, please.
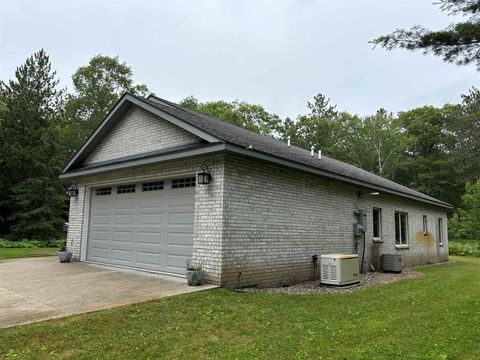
(15, 253)
(435, 316)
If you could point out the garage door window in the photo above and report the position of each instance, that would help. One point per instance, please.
(124, 189)
(152, 186)
(103, 191)
(183, 183)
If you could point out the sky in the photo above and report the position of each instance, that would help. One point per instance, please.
(277, 53)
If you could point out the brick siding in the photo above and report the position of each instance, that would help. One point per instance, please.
(138, 132)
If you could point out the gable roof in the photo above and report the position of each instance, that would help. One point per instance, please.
(236, 140)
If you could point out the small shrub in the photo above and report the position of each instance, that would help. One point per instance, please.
(30, 243)
(192, 266)
(464, 248)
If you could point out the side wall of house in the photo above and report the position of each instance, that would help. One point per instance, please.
(208, 216)
(276, 219)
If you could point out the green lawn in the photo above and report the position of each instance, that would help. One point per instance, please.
(13, 253)
(436, 316)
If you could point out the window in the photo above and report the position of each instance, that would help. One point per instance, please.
(377, 223)
(401, 228)
(152, 186)
(103, 191)
(425, 225)
(183, 183)
(440, 231)
(123, 189)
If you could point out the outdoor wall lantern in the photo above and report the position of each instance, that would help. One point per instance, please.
(204, 177)
(72, 191)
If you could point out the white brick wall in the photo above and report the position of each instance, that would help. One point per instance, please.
(139, 131)
(276, 219)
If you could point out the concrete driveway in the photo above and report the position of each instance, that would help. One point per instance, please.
(35, 289)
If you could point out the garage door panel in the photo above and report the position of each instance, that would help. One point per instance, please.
(146, 229)
(100, 253)
(101, 219)
(182, 199)
(122, 255)
(152, 219)
(100, 205)
(176, 261)
(150, 237)
(148, 258)
(155, 201)
(123, 219)
(180, 239)
(125, 203)
(123, 236)
(180, 218)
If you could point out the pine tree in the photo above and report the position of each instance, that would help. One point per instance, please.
(33, 198)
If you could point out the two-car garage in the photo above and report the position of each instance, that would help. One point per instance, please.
(146, 225)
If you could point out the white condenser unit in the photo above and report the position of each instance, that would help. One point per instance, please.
(339, 269)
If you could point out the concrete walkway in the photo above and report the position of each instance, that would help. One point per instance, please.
(35, 289)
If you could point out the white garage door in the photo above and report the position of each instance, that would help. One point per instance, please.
(146, 225)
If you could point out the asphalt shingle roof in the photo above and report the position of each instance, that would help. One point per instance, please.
(242, 137)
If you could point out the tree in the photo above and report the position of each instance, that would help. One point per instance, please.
(458, 43)
(465, 223)
(323, 128)
(33, 197)
(468, 136)
(97, 86)
(377, 143)
(428, 165)
(249, 116)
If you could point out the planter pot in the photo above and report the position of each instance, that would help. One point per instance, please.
(65, 256)
(194, 278)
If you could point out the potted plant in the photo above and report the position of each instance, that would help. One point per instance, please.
(194, 273)
(63, 255)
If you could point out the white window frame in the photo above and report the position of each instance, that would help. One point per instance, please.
(440, 231)
(425, 225)
(380, 232)
(403, 241)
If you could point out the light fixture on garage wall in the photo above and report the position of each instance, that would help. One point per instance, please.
(204, 177)
(72, 191)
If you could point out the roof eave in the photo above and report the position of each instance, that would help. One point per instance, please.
(133, 162)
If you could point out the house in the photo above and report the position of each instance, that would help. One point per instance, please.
(267, 209)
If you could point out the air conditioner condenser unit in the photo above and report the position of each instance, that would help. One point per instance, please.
(339, 269)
